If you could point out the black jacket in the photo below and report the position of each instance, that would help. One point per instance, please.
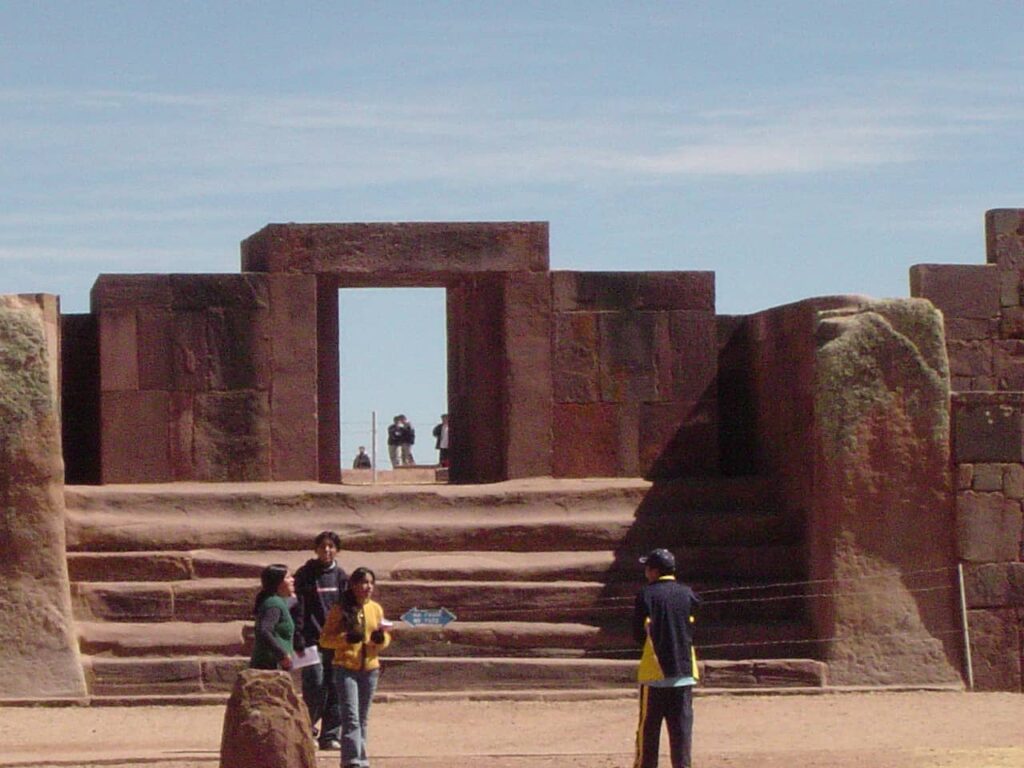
(401, 433)
(317, 589)
(670, 606)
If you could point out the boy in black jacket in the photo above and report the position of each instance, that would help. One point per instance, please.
(318, 586)
(663, 624)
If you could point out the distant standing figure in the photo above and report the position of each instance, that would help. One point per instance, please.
(362, 460)
(663, 618)
(401, 437)
(441, 440)
(275, 627)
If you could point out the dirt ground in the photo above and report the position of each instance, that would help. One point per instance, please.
(841, 730)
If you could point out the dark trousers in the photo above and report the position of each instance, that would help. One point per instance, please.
(675, 707)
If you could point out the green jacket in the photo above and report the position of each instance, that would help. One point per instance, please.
(273, 642)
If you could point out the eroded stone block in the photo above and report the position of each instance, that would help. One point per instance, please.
(986, 430)
(995, 649)
(958, 290)
(988, 527)
(1004, 237)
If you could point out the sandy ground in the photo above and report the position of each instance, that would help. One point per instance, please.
(866, 730)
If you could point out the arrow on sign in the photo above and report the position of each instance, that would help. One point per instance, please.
(433, 616)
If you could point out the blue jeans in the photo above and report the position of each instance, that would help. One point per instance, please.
(355, 692)
(321, 696)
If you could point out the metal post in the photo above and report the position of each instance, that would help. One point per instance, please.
(967, 631)
(373, 444)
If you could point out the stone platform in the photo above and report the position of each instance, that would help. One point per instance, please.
(540, 573)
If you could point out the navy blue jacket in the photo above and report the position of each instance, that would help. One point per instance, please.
(317, 589)
(670, 606)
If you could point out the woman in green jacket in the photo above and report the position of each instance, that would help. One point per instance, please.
(274, 624)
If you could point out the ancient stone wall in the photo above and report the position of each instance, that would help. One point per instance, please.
(633, 374)
(983, 306)
(206, 377)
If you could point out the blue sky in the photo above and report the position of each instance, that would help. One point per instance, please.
(795, 148)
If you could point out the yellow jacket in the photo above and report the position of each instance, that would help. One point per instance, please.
(355, 656)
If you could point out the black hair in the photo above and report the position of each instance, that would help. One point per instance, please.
(349, 605)
(327, 536)
(270, 579)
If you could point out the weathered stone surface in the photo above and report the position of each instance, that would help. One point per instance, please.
(988, 527)
(227, 291)
(1011, 326)
(958, 290)
(120, 291)
(996, 649)
(628, 291)
(576, 368)
(627, 356)
(994, 585)
(964, 476)
(988, 477)
(155, 348)
(970, 329)
(970, 358)
(1013, 481)
(882, 500)
(678, 439)
(232, 436)
(1010, 287)
(1004, 237)
(400, 253)
(266, 724)
(38, 647)
(585, 440)
(987, 428)
(119, 363)
(688, 365)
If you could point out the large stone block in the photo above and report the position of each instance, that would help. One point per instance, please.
(154, 333)
(996, 649)
(994, 585)
(112, 292)
(38, 646)
(686, 357)
(958, 290)
(989, 527)
(678, 439)
(1008, 364)
(232, 436)
(527, 342)
(119, 362)
(266, 725)
(987, 428)
(398, 254)
(627, 367)
(1004, 237)
(586, 440)
(576, 366)
(191, 293)
(970, 358)
(624, 291)
(881, 513)
(134, 437)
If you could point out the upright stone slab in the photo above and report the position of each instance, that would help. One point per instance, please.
(38, 647)
(266, 725)
(882, 527)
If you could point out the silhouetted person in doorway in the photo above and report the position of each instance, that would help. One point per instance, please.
(401, 437)
(441, 440)
(362, 460)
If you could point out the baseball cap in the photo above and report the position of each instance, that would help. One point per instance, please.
(661, 559)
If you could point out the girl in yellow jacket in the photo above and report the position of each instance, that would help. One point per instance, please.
(355, 630)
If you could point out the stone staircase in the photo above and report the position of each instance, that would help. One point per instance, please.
(541, 575)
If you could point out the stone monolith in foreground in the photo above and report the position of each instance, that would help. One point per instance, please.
(266, 725)
(38, 647)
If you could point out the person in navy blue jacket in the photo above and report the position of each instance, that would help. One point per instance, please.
(663, 617)
(319, 585)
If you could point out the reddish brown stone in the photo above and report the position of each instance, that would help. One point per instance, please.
(155, 331)
(988, 477)
(190, 353)
(181, 435)
(398, 254)
(1010, 287)
(986, 429)
(119, 363)
(1004, 237)
(585, 440)
(623, 291)
(113, 292)
(237, 357)
(528, 365)
(988, 527)
(194, 293)
(994, 585)
(627, 356)
(134, 437)
(232, 436)
(970, 358)
(328, 389)
(958, 290)
(971, 329)
(995, 649)
(678, 439)
(575, 371)
(1008, 364)
(291, 328)
(689, 367)
(1011, 325)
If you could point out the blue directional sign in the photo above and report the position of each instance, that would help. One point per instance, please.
(433, 616)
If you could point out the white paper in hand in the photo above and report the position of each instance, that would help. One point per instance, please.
(307, 657)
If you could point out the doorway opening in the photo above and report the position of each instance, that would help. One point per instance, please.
(393, 360)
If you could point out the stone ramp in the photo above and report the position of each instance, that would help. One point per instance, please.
(540, 574)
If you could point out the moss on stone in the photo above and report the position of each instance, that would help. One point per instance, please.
(24, 379)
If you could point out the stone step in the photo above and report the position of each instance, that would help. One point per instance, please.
(215, 600)
(209, 675)
(625, 516)
(457, 639)
(768, 563)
